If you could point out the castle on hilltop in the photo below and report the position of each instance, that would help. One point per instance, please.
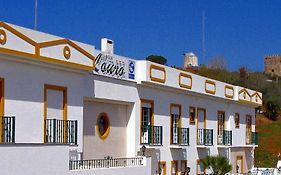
(273, 64)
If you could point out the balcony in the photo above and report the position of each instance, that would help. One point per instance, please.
(7, 126)
(180, 136)
(61, 131)
(205, 137)
(151, 135)
(252, 138)
(225, 139)
(255, 138)
(106, 163)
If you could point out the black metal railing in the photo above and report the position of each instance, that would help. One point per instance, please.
(8, 129)
(105, 163)
(180, 136)
(225, 138)
(61, 131)
(205, 137)
(255, 138)
(151, 135)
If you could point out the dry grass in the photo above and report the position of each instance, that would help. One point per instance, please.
(269, 142)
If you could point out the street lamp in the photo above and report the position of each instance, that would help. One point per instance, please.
(143, 148)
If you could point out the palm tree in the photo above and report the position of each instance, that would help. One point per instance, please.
(218, 164)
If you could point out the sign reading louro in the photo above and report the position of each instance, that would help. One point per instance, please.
(115, 66)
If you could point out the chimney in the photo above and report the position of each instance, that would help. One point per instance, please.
(107, 45)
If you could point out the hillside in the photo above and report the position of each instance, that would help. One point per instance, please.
(266, 155)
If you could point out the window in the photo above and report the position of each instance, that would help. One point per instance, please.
(174, 167)
(162, 167)
(183, 166)
(192, 115)
(221, 121)
(146, 121)
(103, 125)
(237, 120)
(248, 129)
(175, 122)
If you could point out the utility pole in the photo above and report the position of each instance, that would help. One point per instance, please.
(35, 15)
(203, 37)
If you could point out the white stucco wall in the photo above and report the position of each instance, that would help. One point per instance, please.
(24, 96)
(27, 159)
(115, 144)
(163, 99)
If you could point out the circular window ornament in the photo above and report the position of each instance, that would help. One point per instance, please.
(103, 125)
(66, 52)
(3, 37)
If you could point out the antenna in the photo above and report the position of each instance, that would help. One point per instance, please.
(35, 15)
(203, 37)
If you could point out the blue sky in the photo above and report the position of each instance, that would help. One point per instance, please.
(242, 31)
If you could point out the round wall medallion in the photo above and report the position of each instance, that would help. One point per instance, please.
(103, 125)
(66, 52)
(3, 37)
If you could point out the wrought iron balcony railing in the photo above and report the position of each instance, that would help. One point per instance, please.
(151, 135)
(252, 138)
(205, 137)
(106, 163)
(61, 131)
(180, 136)
(226, 138)
(7, 126)
(255, 138)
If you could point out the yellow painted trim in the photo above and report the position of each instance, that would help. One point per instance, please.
(237, 114)
(244, 90)
(185, 85)
(106, 133)
(242, 166)
(205, 118)
(38, 46)
(171, 129)
(248, 102)
(162, 163)
(211, 83)
(174, 162)
(223, 113)
(66, 52)
(18, 34)
(3, 37)
(256, 94)
(152, 111)
(66, 41)
(152, 66)
(248, 126)
(229, 88)
(185, 165)
(2, 100)
(45, 59)
(198, 161)
(56, 88)
(195, 113)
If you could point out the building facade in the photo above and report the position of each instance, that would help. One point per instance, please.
(68, 108)
(273, 64)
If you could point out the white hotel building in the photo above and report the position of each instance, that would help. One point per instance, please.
(69, 109)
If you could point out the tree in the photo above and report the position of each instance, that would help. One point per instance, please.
(157, 59)
(218, 164)
(272, 100)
